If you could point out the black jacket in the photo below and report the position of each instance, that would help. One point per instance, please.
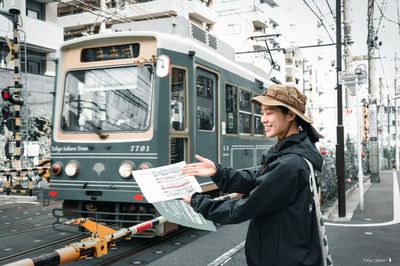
(277, 200)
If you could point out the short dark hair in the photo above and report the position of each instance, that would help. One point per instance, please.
(312, 133)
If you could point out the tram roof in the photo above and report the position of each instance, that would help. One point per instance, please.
(217, 52)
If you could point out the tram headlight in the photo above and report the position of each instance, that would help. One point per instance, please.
(126, 168)
(72, 168)
(56, 168)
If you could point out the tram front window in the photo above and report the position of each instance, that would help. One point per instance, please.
(108, 99)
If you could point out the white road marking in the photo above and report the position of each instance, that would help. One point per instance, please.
(227, 255)
(396, 209)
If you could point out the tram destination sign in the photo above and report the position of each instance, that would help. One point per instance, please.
(113, 52)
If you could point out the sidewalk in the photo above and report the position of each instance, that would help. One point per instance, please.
(330, 213)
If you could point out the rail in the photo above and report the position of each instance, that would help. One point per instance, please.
(97, 244)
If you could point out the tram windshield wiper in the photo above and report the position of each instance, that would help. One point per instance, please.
(97, 128)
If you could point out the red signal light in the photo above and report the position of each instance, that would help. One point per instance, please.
(52, 194)
(138, 197)
(56, 168)
(5, 94)
(9, 96)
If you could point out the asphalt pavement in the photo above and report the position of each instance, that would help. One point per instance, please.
(364, 237)
(368, 236)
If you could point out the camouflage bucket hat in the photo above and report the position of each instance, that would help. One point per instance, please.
(284, 95)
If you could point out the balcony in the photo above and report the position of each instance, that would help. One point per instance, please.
(44, 36)
(200, 12)
(144, 11)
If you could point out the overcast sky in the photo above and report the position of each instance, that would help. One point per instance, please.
(387, 31)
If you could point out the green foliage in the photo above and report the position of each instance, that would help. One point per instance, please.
(327, 178)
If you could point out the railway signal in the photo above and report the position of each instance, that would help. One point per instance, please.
(7, 119)
(9, 95)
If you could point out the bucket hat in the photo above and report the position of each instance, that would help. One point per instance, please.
(284, 95)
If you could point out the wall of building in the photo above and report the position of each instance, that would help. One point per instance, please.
(38, 91)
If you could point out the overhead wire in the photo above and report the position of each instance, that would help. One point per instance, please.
(383, 15)
(323, 16)
(380, 20)
(383, 69)
(101, 11)
(398, 16)
(330, 10)
(322, 22)
(90, 8)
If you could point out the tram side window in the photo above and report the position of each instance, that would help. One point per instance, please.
(205, 103)
(178, 99)
(258, 126)
(231, 109)
(244, 112)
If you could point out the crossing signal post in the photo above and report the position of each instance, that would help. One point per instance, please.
(12, 96)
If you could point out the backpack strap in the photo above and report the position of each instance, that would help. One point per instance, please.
(323, 239)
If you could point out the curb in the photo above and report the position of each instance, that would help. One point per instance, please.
(329, 213)
(17, 199)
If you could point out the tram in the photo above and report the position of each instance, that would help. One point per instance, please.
(131, 97)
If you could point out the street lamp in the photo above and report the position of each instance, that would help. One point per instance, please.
(351, 81)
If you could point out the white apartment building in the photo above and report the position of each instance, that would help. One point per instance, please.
(249, 27)
(39, 31)
(80, 18)
(39, 38)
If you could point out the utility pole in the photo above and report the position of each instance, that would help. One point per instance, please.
(348, 61)
(373, 92)
(396, 94)
(381, 127)
(339, 128)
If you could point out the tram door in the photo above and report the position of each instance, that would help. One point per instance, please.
(206, 115)
(179, 133)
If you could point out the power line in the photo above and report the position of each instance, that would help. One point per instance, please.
(398, 16)
(383, 69)
(330, 10)
(322, 22)
(322, 14)
(383, 15)
(89, 8)
(380, 19)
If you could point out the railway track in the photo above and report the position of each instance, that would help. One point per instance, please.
(26, 231)
(44, 248)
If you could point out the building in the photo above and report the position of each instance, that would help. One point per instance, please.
(39, 38)
(79, 18)
(252, 30)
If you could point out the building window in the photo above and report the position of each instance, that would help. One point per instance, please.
(234, 29)
(36, 10)
(32, 13)
(231, 109)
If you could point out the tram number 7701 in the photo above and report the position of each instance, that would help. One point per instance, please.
(140, 148)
